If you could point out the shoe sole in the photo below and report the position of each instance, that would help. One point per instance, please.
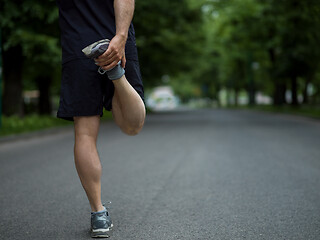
(102, 233)
(98, 50)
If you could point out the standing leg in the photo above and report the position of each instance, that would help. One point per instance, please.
(127, 107)
(87, 160)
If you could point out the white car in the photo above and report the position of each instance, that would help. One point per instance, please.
(162, 99)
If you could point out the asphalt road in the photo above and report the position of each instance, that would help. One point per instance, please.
(207, 174)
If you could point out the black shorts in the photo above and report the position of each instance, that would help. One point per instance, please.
(84, 92)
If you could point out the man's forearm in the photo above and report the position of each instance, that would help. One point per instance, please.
(123, 10)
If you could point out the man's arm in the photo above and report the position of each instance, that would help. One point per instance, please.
(123, 10)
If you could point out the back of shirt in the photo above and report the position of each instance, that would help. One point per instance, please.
(83, 22)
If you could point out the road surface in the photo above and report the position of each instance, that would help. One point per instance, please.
(205, 174)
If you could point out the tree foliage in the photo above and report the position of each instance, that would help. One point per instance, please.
(281, 36)
(169, 37)
(32, 25)
(201, 46)
(30, 49)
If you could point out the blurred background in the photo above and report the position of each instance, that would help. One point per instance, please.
(219, 172)
(193, 54)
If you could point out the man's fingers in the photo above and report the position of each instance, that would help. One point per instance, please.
(107, 53)
(109, 56)
(110, 66)
(110, 52)
(107, 61)
(123, 62)
(105, 56)
(110, 63)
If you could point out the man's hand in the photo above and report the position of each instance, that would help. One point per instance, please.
(114, 53)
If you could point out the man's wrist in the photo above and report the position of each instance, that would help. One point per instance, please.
(122, 35)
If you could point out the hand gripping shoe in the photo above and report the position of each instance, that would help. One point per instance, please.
(96, 49)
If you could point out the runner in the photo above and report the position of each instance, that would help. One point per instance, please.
(85, 91)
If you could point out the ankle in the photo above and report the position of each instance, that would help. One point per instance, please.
(97, 208)
(120, 81)
(116, 73)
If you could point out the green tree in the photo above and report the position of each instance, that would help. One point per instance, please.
(169, 38)
(30, 42)
(292, 38)
(281, 36)
(237, 43)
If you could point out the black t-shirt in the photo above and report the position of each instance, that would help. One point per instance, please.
(83, 22)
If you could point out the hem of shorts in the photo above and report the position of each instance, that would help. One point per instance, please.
(69, 117)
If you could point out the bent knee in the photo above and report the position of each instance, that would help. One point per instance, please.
(132, 130)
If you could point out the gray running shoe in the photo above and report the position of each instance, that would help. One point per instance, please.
(94, 50)
(101, 224)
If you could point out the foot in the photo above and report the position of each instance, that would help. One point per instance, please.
(98, 48)
(114, 73)
(101, 224)
(95, 49)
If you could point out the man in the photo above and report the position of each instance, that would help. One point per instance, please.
(84, 92)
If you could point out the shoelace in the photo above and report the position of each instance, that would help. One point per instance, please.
(107, 205)
(101, 71)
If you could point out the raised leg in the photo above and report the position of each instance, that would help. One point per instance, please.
(87, 160)
(127, 107)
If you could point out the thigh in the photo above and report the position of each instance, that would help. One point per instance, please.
(133, 76)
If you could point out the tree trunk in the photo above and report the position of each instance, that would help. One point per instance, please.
(252, 97)
(279, 88)
(250, 79)
(279, 95)
(12, 76)
(236, 95)
(44, 105)
(305, 91)
(228, 97)
(294, 91)
(217, 95)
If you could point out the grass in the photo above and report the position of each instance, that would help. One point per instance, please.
(302, 110)
(16, 125)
